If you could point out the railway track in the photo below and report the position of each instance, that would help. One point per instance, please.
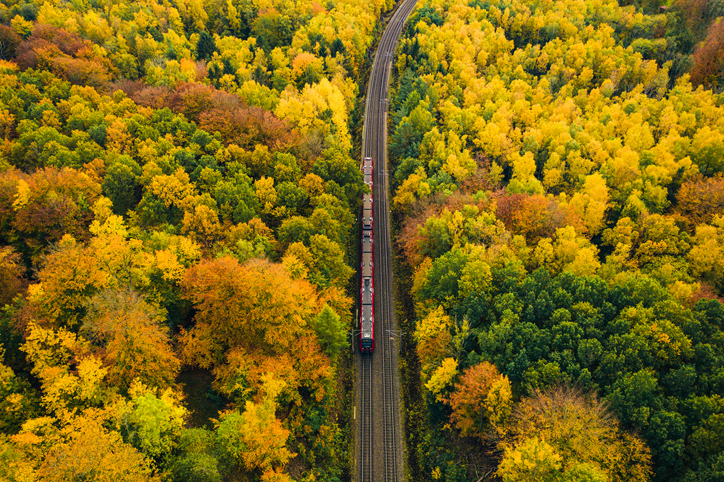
(379, 435)
(365, 421)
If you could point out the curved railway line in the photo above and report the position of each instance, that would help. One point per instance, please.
(379, 448)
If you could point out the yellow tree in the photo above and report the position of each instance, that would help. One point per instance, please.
(706, 258)
(591, 203)
(135, 342)
(83, 449)
(202, 225)
(176, 190)
(255, 439)
(306, 110)
(256, 304)
(433, 335)
(532, 461)
(71, 378)
(581, 430)
(568, 252)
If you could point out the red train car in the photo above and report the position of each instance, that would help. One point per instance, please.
(367, 289)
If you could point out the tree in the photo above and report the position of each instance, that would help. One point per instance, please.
(291, 196)
(197, 468)
(12, 275)
(324, 260)
(568, 252)
(202, 225)
(71, 378)
(255, 438)
(176, 190)
(121, 186)
(256, 304)
(468, 401)
(330, 330)
(52, 203)
(335, 166)
(18, 401)
(706, 145)
(320, 113)
(700, 199)
(707, 57)
(200, 459)
(705, 257)
(581, 430)
(205, 46)
(295, 229)
(135, 343)
(9, 42)
(152, 423)
(253, 320)
(70, 273)
(532, 461)
(591, 203)
(329, 264)
(433, 336)
(91, 452)
(534, 216)
(307, 69)
(442, 378)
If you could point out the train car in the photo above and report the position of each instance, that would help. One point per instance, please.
(367, 288)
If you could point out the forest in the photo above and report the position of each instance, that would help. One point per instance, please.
(177, 205)
(558, 195)
(179, 182)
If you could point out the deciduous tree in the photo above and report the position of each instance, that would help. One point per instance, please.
(12, 275)
(581, 430)
(468, 401)
(255, 439)
(134, 341)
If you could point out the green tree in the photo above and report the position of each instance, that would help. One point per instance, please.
(330, 330)
(151, 423)
(121, 186)
(200, 457)
(205, 46)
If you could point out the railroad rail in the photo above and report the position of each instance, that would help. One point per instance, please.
(365, 422)
(379, 447)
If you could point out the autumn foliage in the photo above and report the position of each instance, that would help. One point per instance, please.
(580, 429)
(700, 199)
(12, 276)
(707, 57)
(534, 216)
(177, 198)
(252, 319)
(65, 54)
(218, 111)
(133, 339)
(481, 398)
(178, 188)
(256, 305)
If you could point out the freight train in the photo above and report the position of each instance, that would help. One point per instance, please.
(367, 288)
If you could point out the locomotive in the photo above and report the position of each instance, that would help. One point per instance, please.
(367, 288)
